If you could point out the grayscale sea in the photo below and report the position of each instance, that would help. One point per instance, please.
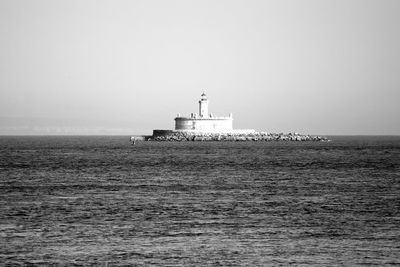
(98, 200)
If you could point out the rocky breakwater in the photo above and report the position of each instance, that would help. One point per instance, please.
(179, 136)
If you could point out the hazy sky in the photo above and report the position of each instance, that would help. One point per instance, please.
(127, 67)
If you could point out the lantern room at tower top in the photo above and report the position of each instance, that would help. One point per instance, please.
(204, 121)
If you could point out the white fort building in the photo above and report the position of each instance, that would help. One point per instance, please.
(206, 122)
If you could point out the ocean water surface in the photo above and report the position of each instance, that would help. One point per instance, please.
(93, 200)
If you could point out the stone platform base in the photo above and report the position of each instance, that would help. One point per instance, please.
(172, 135)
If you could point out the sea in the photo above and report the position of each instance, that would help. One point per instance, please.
(100, 201)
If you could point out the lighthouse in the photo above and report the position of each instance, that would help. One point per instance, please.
(204, 122)
(203, 106)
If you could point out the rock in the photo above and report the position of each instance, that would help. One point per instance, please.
(173, 136)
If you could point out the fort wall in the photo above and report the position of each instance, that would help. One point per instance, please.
(223, 124)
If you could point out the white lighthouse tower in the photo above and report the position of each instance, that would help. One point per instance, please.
(203, 106)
